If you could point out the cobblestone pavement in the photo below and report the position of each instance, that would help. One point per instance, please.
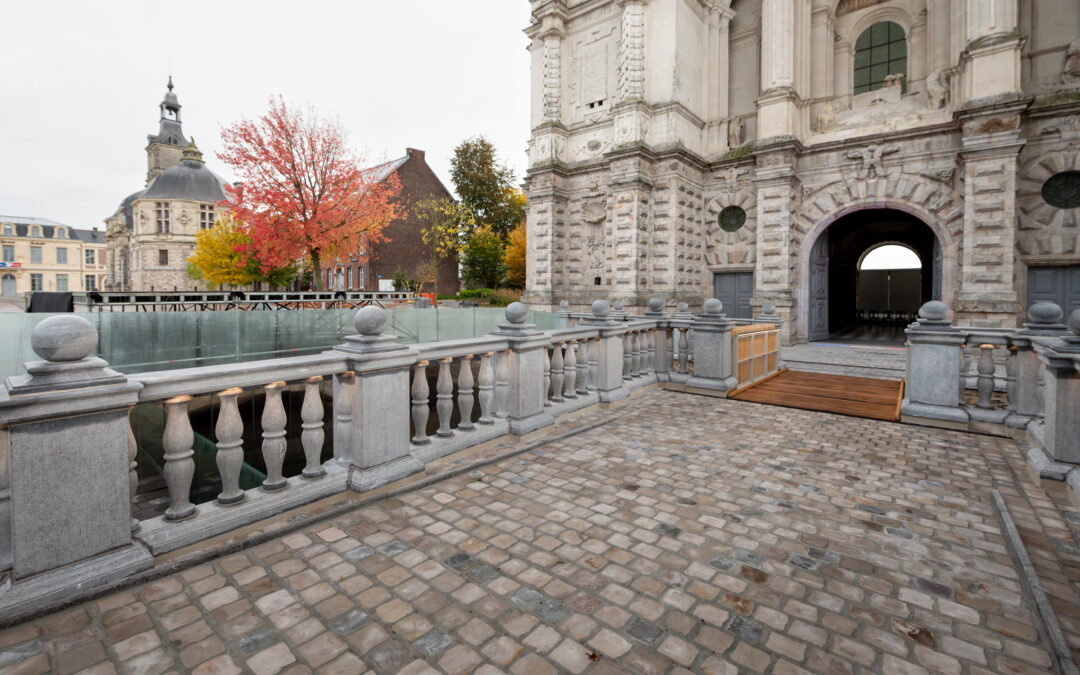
(691, 535)
(857, 361)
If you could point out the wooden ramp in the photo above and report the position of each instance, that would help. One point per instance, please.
(841, 394)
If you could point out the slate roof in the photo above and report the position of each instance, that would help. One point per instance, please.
(187, 180)
(48, 229)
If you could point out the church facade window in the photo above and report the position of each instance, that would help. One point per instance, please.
(163, 257)
(880, 51)
(206, 216)
(161, 210)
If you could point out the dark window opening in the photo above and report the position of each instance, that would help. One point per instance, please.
(880, 51)
(596, 281)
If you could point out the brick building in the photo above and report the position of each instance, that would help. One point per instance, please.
(402, 245)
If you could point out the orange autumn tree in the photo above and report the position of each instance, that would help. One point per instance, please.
(304, 194)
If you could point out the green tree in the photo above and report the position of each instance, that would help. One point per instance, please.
(482, 259)
(219, 258)
(486, 186)
(444, 222)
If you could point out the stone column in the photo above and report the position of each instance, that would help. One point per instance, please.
(935, 355)
(526, 396)
(778, 105)
(609, 359)
(1060, 437)
(377, 441)
(712, 350)
(66, 424)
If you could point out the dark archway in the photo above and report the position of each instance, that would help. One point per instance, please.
(834, 271)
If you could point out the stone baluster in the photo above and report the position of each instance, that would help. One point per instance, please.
(684, 355)
(179, 466)
(486, 382)
(465, 393)
(985, 380)
(444, 405)
(582, 366)
(547, 377)
(502, 390)
(594, 362)
(133, 474)
(627, 357)
(343, 418)
(637, 353)
(570, 370)
(273, 433)
(649, 355)
(1010, 376)
(312, 434)
(230, 452)
(420, 409)
(558, 373)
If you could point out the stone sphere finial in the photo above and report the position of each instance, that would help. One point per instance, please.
(1074, 322)
(564, 305)
(713, 307)
(617, 306)
(656, 304)
(370, 320)
(1045, 312)
(516, 312)
(601, 309)
(65, 338)
(682, 307)
(768, 309)
(935, 310)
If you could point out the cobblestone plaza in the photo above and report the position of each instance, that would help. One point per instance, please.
(687, 534)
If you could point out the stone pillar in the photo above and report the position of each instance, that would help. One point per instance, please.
(526, 395)
(66, 428)
(935, 355)
(376, 443)
(719, 75)
(991, 61)
(609, 379)
(1044, 320)
(565, 320)
(991, 142)
(1061, 428)
(631, 114)
(782, 61)
(776, 186)
(664, 346)
(712, 350)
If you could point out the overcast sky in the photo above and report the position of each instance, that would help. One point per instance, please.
(81, 83)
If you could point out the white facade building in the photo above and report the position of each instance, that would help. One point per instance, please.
(756, 150)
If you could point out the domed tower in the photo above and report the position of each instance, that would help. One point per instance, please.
(165, 149)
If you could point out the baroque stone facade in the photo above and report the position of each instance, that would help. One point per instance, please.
(152, 232)
(678, 141)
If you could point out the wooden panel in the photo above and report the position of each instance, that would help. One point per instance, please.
(856, 396)
(753, 328)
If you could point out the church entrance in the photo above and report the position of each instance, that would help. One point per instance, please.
(870, 271)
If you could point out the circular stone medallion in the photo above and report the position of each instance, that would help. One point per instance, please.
(732, 218)
(1062, 190)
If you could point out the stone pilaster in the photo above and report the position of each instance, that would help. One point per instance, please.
(991, 143)
(778, 105)
(546, 220)
(776, 186)
(991, 61)
(718, 74)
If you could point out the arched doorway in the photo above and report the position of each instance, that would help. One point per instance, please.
(845, 304)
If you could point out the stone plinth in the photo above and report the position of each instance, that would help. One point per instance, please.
(935, 357)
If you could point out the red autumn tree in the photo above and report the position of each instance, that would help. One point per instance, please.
(305, 194)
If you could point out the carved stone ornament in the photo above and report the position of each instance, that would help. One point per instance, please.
(185, 219)
(940, 175)
(826, 117)
(872, 158)
(735, 132)
(1070, 73)
(594, 211)
(937, 90)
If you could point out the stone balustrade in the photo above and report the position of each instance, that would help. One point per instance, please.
(386, 409)
(1022, 383)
